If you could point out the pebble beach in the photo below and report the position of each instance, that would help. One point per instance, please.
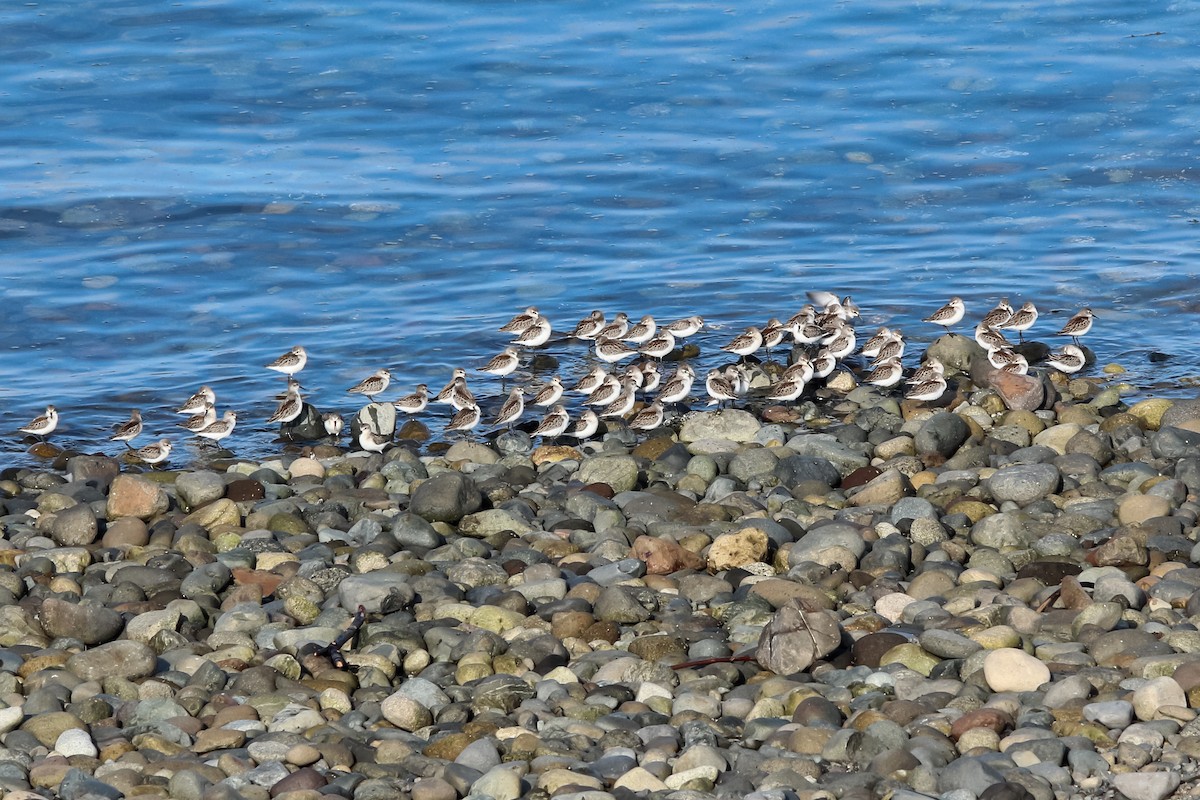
(852, 596)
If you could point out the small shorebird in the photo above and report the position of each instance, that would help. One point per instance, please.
(155, 453)
(521, 321)
(928, 371)
(990, 338)
(678, 386)
(1068, 359)
(623, 403)
(220, 429)
(948, 315)
(372, 385)
(465, 420)
(198, 422)
(841, 341)
(683, 328)
(333, 423)
(586, 426)
(1078, 325)
(824, 364)
(745, 343)
(786, 390)
(413, 403)
(549, 394)
(660, 346)
(642, 332)
(589, 326)
(536, 334)
(443, 396)
(554, 424)
(42, 425)
(886, 375)
(648, 418)
(372, 442)
(719, 388)
(290, 362)
(998, 316)
(615, 329)
(512, 409)
(872, 346)
(195, 403)
(927, 391)
(613, 350)
(592, 381)
(289, 408)
(128, 431)
(605, 393)
(503, 364)
(1022, 319)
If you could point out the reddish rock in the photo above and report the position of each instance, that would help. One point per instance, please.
(860, 477)
(1019, 392)
(267, 582)
(991, 718)
(663, 556)
(301, 779)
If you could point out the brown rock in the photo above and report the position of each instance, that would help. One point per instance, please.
(991, 718)
(870, 649)
(302, 779)
(884, 490)
(1019, 392)
(267, 582)
(134, 496)
(552, 454)
(860, 477)
(245, 489)
(1072, 594)
(663, 556)
(127, 531)
(1121, 550)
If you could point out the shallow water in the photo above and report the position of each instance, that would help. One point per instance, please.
(190, 189)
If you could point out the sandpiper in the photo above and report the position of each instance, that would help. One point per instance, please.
(333, 423)
(719, 388)
(1068, 359)
(592, 381)
(289, 408)
(128, 431)
(948, 315)
(998, 316)
(465, 420)
(786, 390)
(443, 396)
(586, 426)
(372, 385)
(613, 350)
(42, 425)
(886, 374)
(195, 403)
(155, 453)
(536, 334)
(512, 409)
(1022, 319)
(648, 418)
(589, 326)
(549, 394)
(745, 343)
(642, 332)
(554, 424)
(615, 329)
(371, 441)
(220, 429)
(413, 403)
(290, 362)
(503, 364)
(1078, 325)
(688, 326)
(660, 346)
(521, 321)
(198, 422)
(678, 386)
(927, 391)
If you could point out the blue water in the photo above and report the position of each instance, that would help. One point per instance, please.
(191, 188)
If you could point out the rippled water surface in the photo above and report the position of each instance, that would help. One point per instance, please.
(191, 188)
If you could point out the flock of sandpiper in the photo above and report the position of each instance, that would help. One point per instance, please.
(824, 329)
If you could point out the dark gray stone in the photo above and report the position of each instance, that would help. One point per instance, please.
(942, 435)
(446, 497)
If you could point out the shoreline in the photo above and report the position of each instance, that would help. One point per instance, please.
(974, 599)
